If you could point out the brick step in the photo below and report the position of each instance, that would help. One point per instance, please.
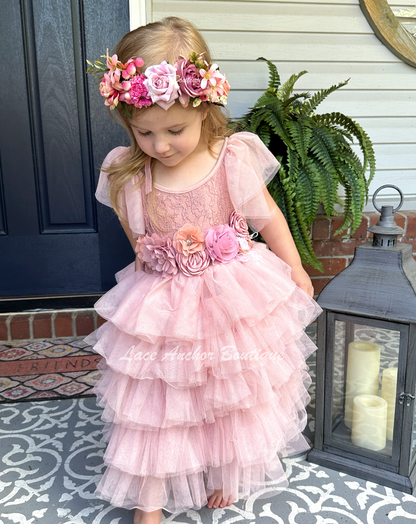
(48, 324)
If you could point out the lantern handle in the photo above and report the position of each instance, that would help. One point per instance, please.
(383, 187)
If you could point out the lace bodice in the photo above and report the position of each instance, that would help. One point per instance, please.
(206, 205)
(236, 182)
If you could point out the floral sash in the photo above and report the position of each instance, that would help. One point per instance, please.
(191, 251)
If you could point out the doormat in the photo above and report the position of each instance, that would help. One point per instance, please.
(47, 370)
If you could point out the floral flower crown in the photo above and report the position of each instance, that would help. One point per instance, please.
(191, 78)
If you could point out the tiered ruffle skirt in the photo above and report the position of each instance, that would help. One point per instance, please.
(204, 382)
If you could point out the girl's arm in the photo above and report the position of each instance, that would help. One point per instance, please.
(278, 237)
(138, 265)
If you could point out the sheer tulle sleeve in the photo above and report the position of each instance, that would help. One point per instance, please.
(250, 166)
(102, 194)
(130, 197)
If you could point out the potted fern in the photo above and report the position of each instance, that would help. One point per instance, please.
(315, 154)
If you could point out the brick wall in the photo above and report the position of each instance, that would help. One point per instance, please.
(44, 325)
(336, 252)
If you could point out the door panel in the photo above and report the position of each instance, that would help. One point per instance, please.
(54, 134)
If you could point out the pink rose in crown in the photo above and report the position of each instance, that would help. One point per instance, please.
(161, 84)
(157, 254)
(188, 239)
(194, 264)
(189, 81)
(221, 243)
(238, 222)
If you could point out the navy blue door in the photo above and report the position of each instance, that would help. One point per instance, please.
(54, 133)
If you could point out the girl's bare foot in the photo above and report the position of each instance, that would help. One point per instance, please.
(147, 517)
(216, 500)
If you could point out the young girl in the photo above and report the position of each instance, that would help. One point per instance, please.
(204, 384)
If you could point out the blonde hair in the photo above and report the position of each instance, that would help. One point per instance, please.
(163, 40)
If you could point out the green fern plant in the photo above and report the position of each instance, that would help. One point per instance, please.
(315, 154)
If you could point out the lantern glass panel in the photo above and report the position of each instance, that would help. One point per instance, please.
(364, 387)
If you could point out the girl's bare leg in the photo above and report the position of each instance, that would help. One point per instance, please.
(147, 517)
(216, 500)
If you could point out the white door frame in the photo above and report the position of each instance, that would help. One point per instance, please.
(140, 13)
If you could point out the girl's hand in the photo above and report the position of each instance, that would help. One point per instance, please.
(301, 278)
(279, 239)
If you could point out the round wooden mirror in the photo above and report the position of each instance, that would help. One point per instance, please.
(389, 30)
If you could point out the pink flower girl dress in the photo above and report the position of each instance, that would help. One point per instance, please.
(204, 380)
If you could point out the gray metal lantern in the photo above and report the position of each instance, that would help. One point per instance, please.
(366, 363)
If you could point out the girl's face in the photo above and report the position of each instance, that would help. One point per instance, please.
(168, 136)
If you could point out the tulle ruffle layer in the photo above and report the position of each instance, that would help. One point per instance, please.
(276, 339)
(249, 436)
(153, 404)
(204, 382)
(191, 490)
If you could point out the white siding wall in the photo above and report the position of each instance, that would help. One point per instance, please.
(332, 40)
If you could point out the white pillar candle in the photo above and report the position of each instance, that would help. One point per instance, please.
(388, 392)
(369, 422)
(363, 370)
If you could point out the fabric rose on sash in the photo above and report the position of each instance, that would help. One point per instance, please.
(156, 254)
(222, 244)
(188, 239)
(191, 256)
(239, 224)
(194, 264)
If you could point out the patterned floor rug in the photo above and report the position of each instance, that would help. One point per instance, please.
(47, 370)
